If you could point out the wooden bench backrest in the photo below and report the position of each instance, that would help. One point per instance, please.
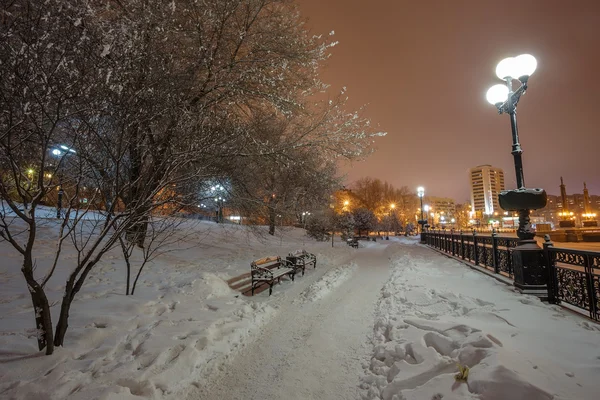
(297, 253)
(267, 262)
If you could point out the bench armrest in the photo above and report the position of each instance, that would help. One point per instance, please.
(261, 272)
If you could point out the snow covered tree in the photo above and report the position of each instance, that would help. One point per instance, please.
(131, 105)
(319, 227)
(346, 224)
(364, 220)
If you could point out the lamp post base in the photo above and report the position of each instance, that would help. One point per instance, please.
(529, 269)
(422, 222)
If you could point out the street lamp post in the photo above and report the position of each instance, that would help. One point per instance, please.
(219, 200)
(529, 269)
(421, 193)
(59, 153)
(389, 222)
(392, 220)
(305, 215)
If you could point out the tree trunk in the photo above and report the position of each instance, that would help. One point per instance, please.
(271, 221)
(127, 263)
(137, 276)
(63, 319)
(43, 318)
(41, 308)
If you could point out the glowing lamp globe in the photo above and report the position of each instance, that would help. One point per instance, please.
(497, 94)
(525, 65)
(507, 69)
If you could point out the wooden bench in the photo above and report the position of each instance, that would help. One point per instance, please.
(352, 242)
(269, 270)
(300, 259)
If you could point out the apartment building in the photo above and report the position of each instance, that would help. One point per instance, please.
(486, 184)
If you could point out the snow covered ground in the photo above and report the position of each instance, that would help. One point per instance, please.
(183, 322)
(389, 320)
(434, 314)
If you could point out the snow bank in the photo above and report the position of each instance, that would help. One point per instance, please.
(435, 313)
(183, 324)
(328, 282)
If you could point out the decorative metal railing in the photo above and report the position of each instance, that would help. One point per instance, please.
(492, 252)
(573, 275)
(574, 278)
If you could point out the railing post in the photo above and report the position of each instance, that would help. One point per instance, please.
(495, 252)
(589, 281)
(475, 255)
(445, 242)
(550, 271)
(452, 241)
(462, 245)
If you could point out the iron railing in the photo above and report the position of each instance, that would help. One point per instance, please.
(574, 278)
(573, 275)
(491, 252)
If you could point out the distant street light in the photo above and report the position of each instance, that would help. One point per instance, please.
(305, 215)
(346, 204)
(421, 193)
(215, 190)
(59, 153)
(527, 262)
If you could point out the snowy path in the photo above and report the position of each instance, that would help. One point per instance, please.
(397, 320)
(315, 347)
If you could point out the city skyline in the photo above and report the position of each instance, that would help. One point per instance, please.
(423, 68)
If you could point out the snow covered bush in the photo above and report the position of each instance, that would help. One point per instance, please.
(365, 220)
(319, 227)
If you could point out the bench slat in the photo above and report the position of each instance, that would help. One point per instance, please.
(278, 273)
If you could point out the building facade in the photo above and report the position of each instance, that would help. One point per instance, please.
(486, 184)
(441, 205)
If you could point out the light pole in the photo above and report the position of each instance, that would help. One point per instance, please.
(529, 270)
(421, 193)
(59, 153)
(305, 214)
(393, 218)
(389, 222)
(219, 200)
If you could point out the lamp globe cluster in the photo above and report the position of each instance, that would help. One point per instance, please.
(520, 67)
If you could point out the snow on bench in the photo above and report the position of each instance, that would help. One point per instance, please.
(269, 270)
(300, 259)
(352, 242)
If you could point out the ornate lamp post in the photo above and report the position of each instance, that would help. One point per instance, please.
(422, 222)
(391, 220)
(528, 267)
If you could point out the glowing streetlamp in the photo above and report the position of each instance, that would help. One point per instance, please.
(422, 222)
(530, 275)
(219, 200)
(346, 204)
(305, 215)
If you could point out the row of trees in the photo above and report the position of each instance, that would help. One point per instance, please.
(140, 106)
(392, 204)
(381, 198)
(360, 221)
